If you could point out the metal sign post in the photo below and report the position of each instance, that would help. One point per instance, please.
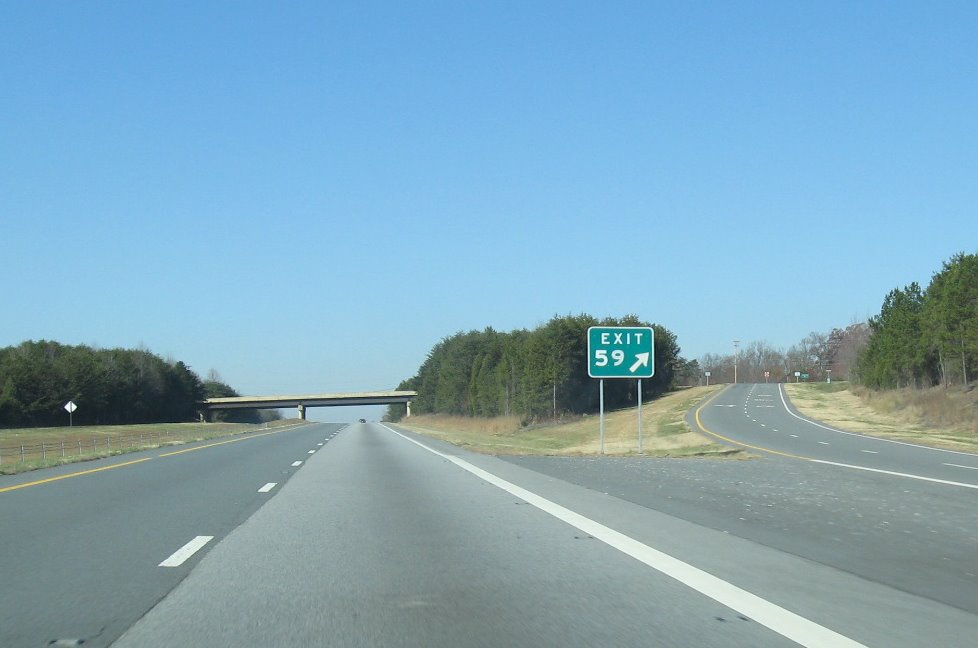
(640, 416)
(601, 400)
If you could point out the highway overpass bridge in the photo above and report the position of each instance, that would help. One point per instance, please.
(309, 400)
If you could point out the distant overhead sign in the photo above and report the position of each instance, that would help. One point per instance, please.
(620, 352)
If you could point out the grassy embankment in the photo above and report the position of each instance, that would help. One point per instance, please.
(665, 431)
(45, 447)
(943, 418)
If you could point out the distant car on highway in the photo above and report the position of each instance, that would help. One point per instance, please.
(363, 420)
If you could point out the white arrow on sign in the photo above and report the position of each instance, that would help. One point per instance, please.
(642, 361)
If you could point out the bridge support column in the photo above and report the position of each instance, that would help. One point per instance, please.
(302, 411)
(408, 409)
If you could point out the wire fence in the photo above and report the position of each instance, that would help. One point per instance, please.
(80, 447)
(95, 444)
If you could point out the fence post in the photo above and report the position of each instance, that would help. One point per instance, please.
(62, 448)
(44, 455)
(22, 454)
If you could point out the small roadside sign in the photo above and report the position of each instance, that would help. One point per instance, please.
(70, 407)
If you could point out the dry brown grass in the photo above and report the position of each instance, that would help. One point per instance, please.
(938, 417)
(24, 449)
(665, 432)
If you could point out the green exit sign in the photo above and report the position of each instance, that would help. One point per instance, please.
(620, 352)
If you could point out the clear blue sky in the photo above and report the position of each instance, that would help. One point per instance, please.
(308, 196)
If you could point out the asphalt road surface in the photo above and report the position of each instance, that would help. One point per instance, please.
(81, 553)
(382, 538)
(760, 417)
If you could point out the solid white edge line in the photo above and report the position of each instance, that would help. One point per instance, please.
(181, 555)
(866, 436)
(267, 487)
(784, 622)
(898, 474)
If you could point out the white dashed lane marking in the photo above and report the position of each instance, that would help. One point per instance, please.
(960, 466)
(181, 555)
(267, 487)
(295, 464)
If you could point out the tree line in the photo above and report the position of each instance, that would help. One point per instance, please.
(920, 338)
(819, 355)
(926, 337)
(534, 374)
(109, 386)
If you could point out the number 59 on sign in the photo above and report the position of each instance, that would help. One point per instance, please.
(601, 357)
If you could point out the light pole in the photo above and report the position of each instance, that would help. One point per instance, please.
(736, 344)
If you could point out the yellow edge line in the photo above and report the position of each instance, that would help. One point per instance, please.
(211, 445)
(699, 422)
(126, 463)
(70, 475)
